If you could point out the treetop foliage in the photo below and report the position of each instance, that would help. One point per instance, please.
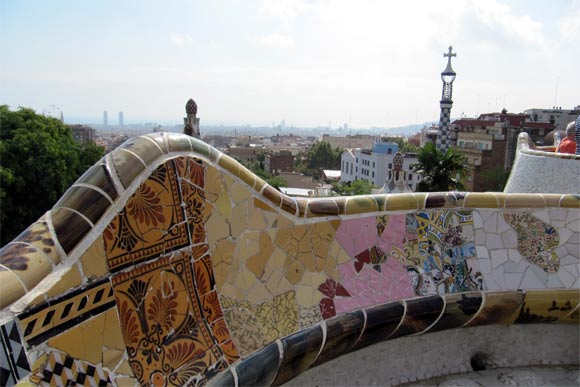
(39, 160)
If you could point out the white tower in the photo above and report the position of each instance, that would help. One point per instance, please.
(445, 137)
(191, 122)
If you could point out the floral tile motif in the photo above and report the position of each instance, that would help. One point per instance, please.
(151, 223)
(435, 250)
(536, 240)
(165, 329)
(254, 326)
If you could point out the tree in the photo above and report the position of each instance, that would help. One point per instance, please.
(350, 188)
(495, 179)
(440, 171)
(321, 156)
(39, 160)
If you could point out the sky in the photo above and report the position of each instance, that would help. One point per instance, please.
(312, 63)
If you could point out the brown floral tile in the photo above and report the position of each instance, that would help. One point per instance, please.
(151, 223)
(498, 308)
(542, 306)
(230, 351)
(151, 312)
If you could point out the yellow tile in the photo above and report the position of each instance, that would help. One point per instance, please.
(257, 263)
(294, 271)
(112, 358)
(94, 261)
(229, 164)
(114, 335)
(224, 204)
(525, 201)
(26, 382)
(70, 341)
(401, 202)
(361, 204)
(124, 381)
(259, 293)
(262, 205)
(570, 201)
(239, 219)
(239, 193)
(12, 288)
(31, 265)
(256, 220)
(69, 280)
(501, 199)
(248, 278)
(214, 184)
(304, 296)
(480, 200)
(124, 369)
(216, 228)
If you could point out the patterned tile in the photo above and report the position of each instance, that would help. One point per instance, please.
(165, 329)
(151, 223)
(536, 240)
(14, 364)
(50, 318)
(63, 370)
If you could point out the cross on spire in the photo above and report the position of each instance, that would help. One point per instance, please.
(450, 53)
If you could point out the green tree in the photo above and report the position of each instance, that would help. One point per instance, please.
(441, 171)
(321, 156)
(495, 179)
(351, 188)
(39, 160)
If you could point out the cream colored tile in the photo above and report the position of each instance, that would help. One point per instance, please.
(239, 219)
(94, 261)
(239, 193)
(69, 280)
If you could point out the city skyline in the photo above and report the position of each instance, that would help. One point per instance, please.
(309, 63)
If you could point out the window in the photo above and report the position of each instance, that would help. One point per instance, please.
(390, 166)
(410, 176)
(373, 173)
(373, 164)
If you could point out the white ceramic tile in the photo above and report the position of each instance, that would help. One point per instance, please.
(498, 257)
(481, 252)
(477, 220)
(509, 239)
(490, 224)
(530, 281)
(565, 276)
(493, 241)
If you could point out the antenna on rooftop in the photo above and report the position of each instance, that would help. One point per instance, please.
(556, 92)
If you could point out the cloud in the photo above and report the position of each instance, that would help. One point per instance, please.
(569, 25)
(277, 40)
(286, 10)
(180, 40)
(492, 22)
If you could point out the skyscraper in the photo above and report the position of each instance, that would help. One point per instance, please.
(120, 118)
(105, 118)
(445, 137)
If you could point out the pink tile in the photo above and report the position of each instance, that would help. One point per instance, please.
(394, 233)
(356, 235)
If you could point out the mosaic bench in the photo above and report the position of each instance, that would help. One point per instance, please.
(168, 264)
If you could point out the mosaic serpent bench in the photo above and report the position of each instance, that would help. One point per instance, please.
(169, 264)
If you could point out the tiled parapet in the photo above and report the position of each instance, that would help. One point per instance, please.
(169, 263)
(541, 171)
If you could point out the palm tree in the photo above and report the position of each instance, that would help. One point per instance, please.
(440, 171)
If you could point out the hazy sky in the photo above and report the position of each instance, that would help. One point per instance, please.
(370, 63)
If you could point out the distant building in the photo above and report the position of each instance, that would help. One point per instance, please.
(362, 141)
(218, 141)
(247, 154)
(105, 118)
(556, 116)
(277, 162)
(375, 165)
(489, 142)
(191, 122)
(121, 121)
(415, 140)
(83, 134)
(397, 178)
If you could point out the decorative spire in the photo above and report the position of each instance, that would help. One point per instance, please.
(449, 70)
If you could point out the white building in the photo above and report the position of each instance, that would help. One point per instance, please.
(557, 116)
(374, 165)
